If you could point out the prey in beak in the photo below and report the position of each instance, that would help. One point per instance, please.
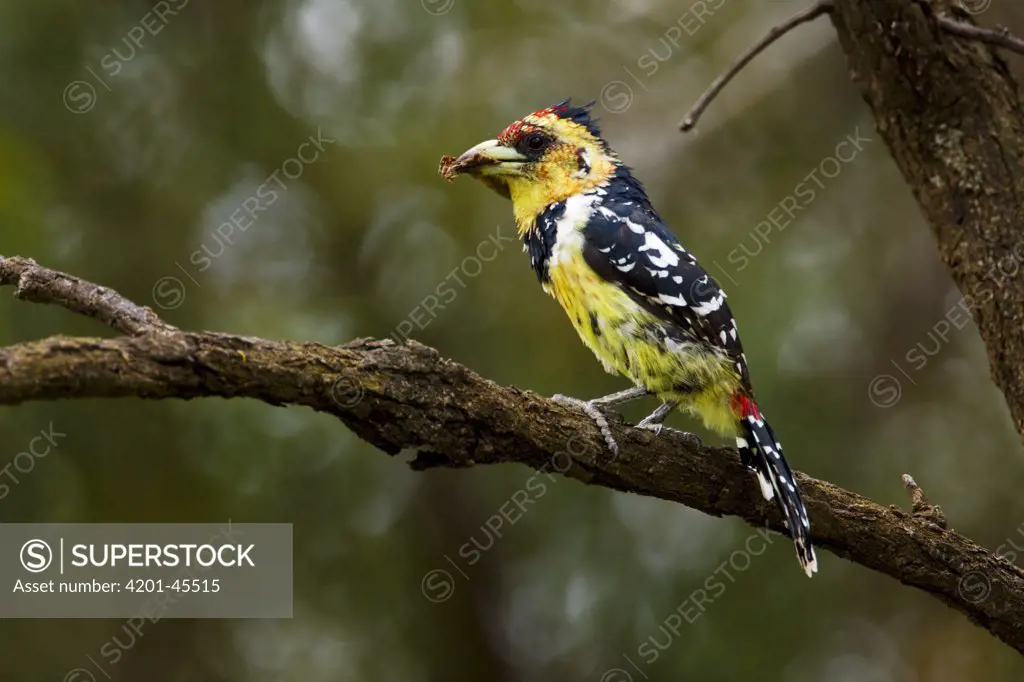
(490, 162)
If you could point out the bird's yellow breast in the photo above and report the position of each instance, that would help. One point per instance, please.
(631, 341)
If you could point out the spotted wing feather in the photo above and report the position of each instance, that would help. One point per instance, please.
(626, 243)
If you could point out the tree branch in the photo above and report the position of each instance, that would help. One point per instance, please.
(951, 115)
(398, 397)
(802, 17)
(999, 37)
(42, 285)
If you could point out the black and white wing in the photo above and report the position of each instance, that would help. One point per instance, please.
(627, 243)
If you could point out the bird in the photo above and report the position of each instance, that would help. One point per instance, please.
(637, 298)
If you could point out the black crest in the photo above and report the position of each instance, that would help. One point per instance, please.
(580, 115)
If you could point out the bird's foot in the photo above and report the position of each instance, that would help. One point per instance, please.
(694, 439)
(656, 422)
(591, 409)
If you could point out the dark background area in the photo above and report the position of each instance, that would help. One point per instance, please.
(130, 132)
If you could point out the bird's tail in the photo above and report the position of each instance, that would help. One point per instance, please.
(761, 452)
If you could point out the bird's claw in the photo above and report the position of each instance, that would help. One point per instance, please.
(590, 409)
(658, 427)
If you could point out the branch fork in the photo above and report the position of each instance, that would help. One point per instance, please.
(998, 37)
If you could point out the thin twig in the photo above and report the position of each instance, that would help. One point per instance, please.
(802, 17)
(920, 505)
(32, 282)
(999, 36)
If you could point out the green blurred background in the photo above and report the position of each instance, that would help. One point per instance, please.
(130, 131)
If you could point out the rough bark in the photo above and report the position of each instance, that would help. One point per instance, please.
(399, 397)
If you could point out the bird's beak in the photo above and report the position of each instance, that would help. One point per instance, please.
(487, 158)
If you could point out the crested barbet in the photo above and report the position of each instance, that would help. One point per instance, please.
(637, 298)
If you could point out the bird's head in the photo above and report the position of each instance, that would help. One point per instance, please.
(540, 159)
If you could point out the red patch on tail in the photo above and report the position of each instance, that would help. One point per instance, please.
(744, 406)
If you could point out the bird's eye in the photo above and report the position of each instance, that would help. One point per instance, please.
(534, 143)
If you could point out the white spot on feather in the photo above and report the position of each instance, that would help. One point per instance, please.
(661, 255)
(710, 306)
(569, 235)
(766, 487)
